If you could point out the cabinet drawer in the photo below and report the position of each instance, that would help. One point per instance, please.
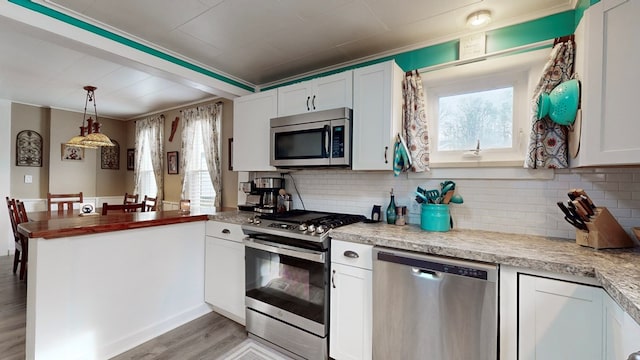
(352, 254)
(224, 230)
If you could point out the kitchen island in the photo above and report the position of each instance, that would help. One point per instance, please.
(99, 285)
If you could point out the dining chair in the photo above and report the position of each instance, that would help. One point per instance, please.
(13, 217)
(130, 198)
(123, 208)
(150, 203)
(60, 201)
(18, 215)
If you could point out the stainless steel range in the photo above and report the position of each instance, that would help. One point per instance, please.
(287, 279)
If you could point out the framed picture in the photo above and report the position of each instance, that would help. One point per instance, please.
(172, 162)
(131, 156)
(110, 156)
(28, 148)
(71, 153)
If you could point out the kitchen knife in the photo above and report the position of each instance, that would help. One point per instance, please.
(579, 208)
(571, 217)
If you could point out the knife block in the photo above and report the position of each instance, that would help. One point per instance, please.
(604, 232)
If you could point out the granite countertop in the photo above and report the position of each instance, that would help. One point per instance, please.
(615, 269)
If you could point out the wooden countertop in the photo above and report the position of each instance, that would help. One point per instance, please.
(72, 225)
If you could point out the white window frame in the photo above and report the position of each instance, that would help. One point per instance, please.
(521, 71)
(192, 175)
(146, 175)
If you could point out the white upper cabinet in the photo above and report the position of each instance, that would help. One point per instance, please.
(608, 70)
(329, 92)
(377, 115)
(251, 115)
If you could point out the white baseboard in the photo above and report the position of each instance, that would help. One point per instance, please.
(143, 335)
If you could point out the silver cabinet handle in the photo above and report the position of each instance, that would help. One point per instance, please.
(351, 254)
(333, 279)
(226, 231)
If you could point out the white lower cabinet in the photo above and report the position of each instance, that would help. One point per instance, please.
(621, 332)
(559, 319)
(224, 270)
(351, 301)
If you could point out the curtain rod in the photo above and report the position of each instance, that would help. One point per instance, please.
(486, 56)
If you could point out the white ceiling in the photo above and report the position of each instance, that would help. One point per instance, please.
(257, 42)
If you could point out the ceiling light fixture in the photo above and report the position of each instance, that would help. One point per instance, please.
(90, 136)
(479, 18)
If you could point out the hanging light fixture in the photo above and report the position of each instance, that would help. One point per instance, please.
(90, 136)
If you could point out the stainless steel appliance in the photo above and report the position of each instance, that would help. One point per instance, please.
(267, 189)
(321, 138)
(433, 308)
(287, 279)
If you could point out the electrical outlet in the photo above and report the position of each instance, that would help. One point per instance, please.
(28, 179)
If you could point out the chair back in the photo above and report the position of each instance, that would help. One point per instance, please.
(60, 201)
(14, 217)
(150, 203)
(22, 212)
(123, 208)
(130, 198)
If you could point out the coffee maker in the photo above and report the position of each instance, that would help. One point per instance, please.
(253, 198)
(268, 189)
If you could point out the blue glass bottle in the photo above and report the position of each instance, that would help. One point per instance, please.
(391, 210)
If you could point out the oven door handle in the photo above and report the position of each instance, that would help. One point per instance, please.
(281, 249)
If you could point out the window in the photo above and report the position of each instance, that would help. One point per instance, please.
(479, 113)
(197, 178)
(147, 185)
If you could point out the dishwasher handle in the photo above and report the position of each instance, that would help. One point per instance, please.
(426, 274)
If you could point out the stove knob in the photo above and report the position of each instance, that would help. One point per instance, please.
(321, 229)
(250, 220)
(302, 227)
(311, 228)
(257, 221)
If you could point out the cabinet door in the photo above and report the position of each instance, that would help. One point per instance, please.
(621, 332)
(558, 319)
(295, 99)
(251, 131)
(377, 115)
(224, 277)
(351, 307)
(333, 91)
(328, 92)
(609, 129)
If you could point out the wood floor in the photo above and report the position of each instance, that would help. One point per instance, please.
(207, 337)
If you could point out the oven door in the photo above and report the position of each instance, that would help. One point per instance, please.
(287, 282)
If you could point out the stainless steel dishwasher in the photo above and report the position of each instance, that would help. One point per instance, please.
(433, 308)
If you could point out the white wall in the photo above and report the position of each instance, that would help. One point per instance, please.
(514, 206)
(5, 178)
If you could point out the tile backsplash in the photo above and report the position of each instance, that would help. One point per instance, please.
(513, 206)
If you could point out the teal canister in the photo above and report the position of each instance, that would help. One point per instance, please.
(435, 217)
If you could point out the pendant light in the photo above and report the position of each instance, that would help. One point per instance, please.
(90, 136)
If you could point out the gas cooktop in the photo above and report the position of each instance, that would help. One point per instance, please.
(301, 224)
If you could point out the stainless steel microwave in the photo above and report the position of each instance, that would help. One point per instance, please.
(321, 138)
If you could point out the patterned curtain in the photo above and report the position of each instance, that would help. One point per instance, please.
(414, 120)
(209, 118)
(152, 128)
(548, 140)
